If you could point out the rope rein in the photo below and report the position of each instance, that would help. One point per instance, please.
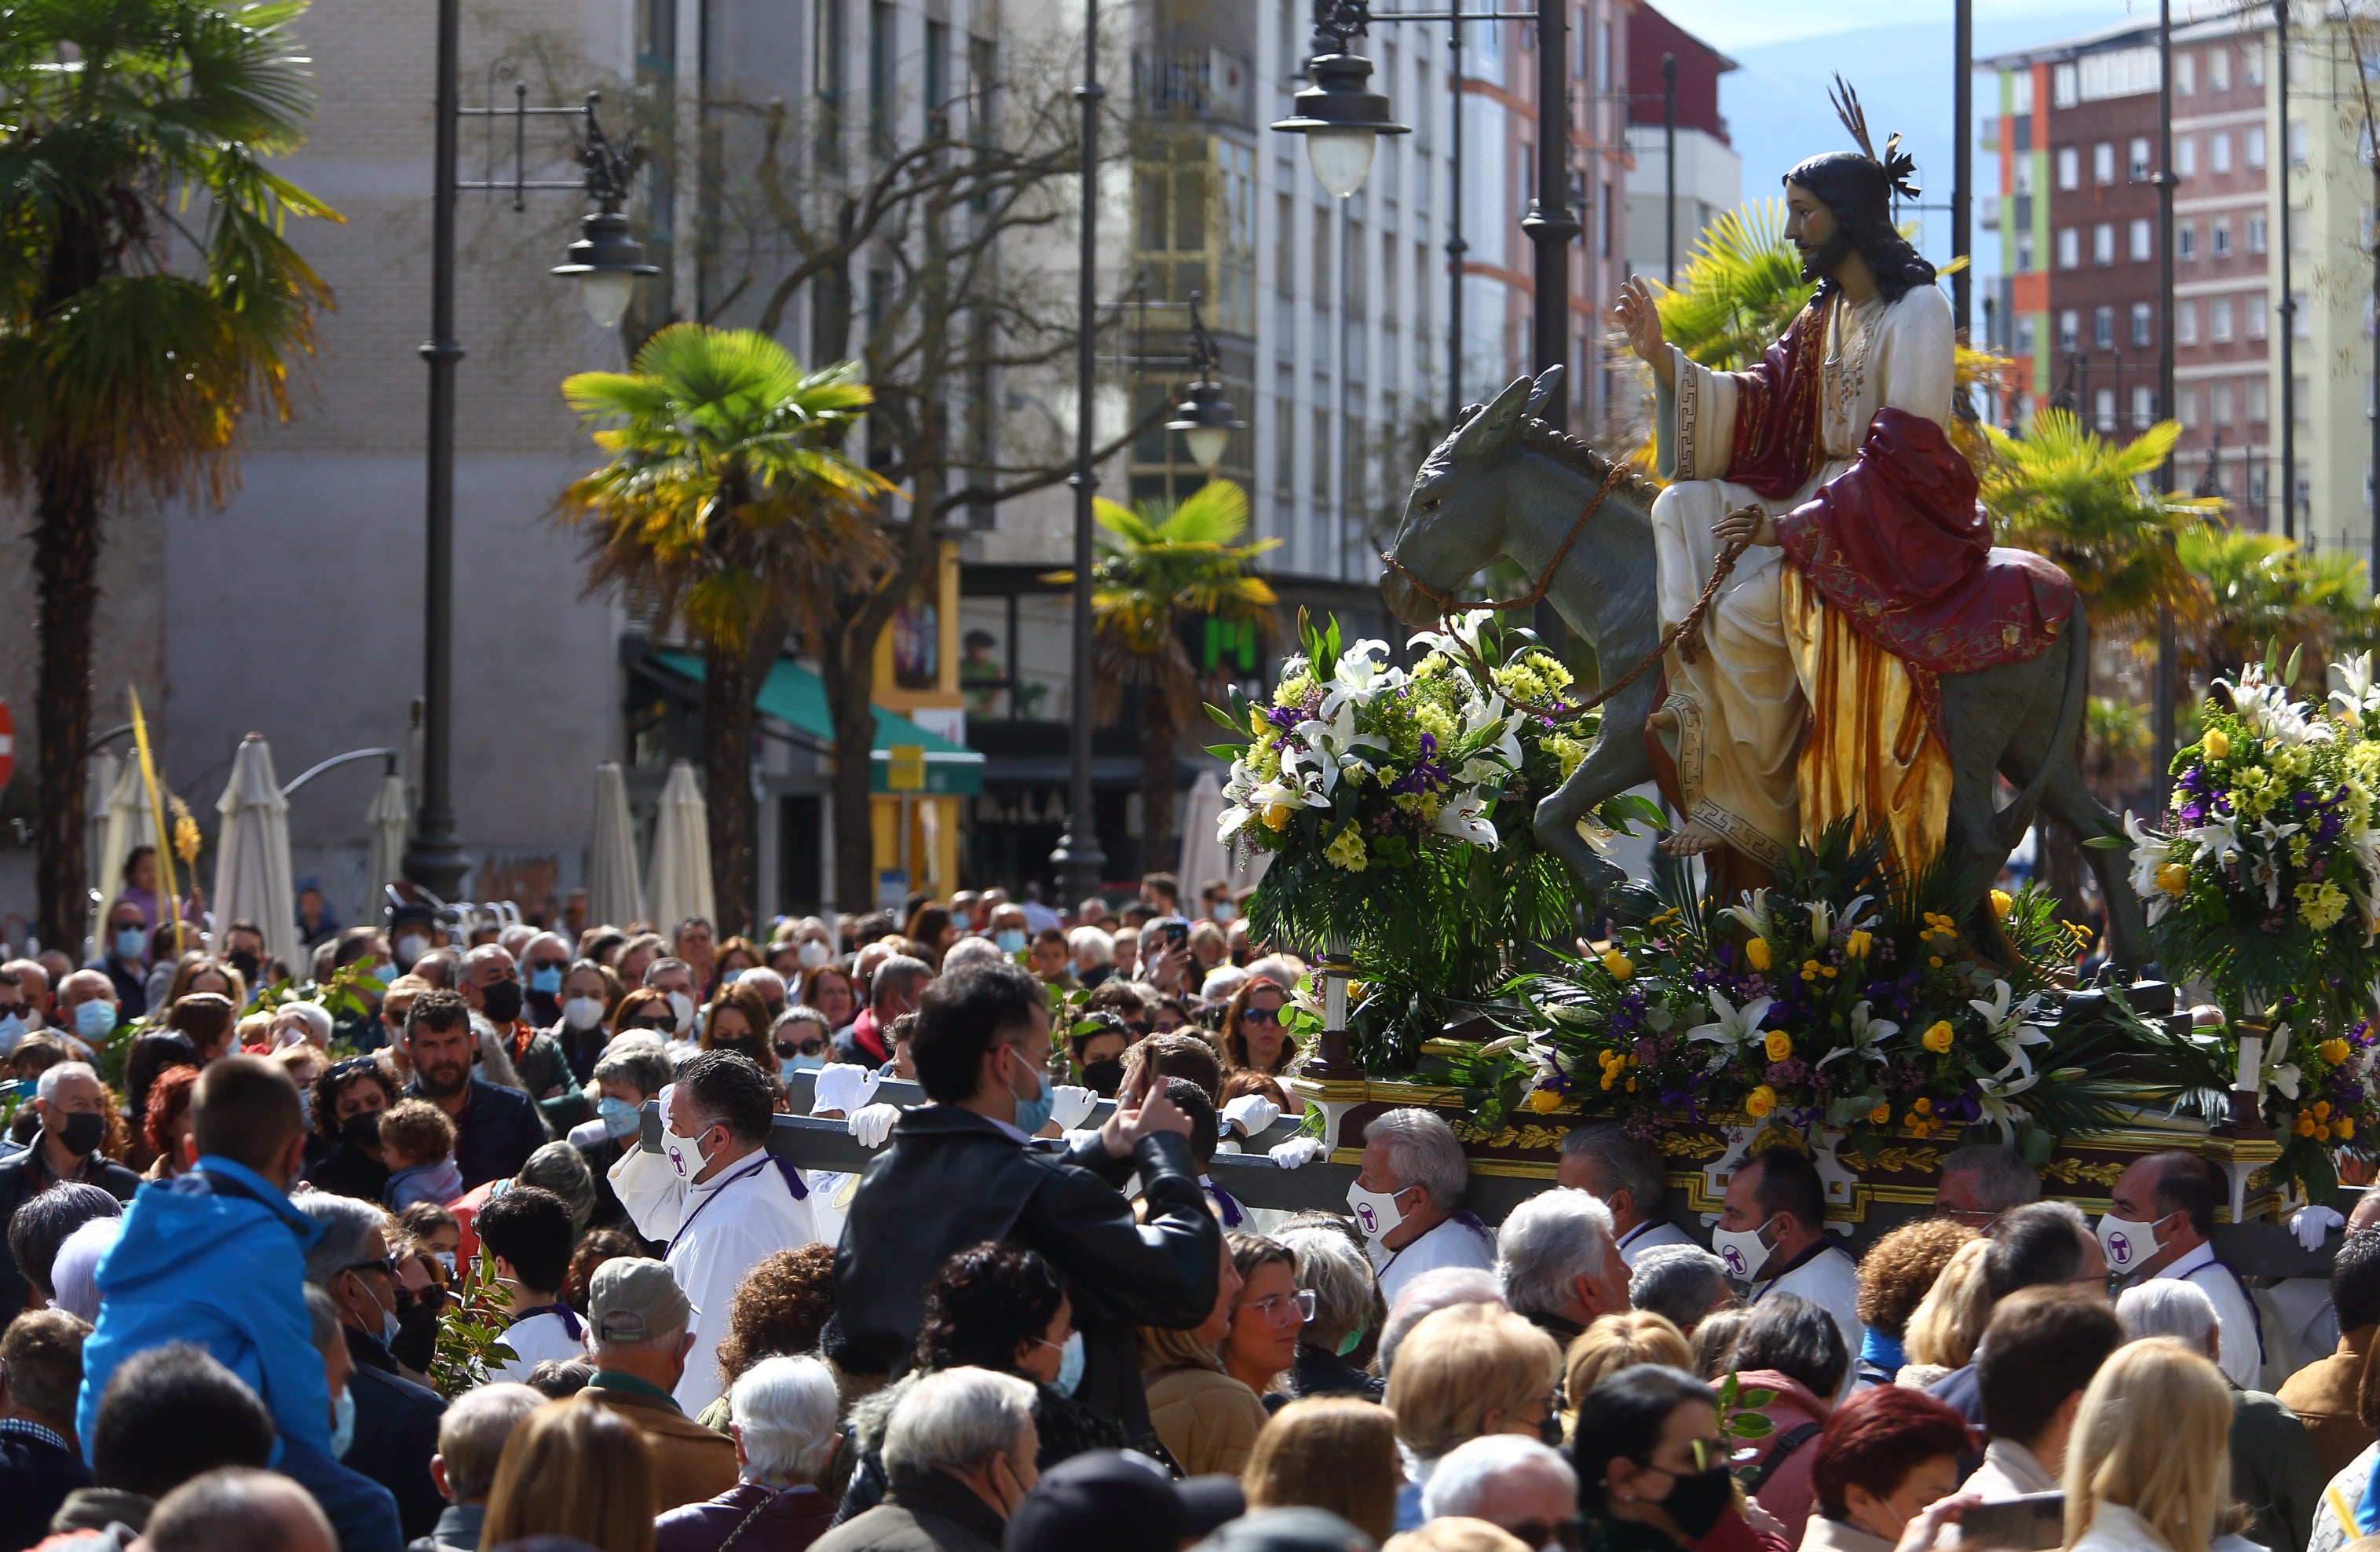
(1685, 635)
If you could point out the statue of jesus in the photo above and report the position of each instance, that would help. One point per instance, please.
(1811, 693)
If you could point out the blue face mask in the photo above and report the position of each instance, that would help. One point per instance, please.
(792, 1065)
(546, 978)
(129, 941)
(95, 1020)
(1011, 941)
(12, 1029)
(384, 973)
(619, 1116)
(729, 977)
(343, 1424)
(1070, 1364)
(1033, 1114)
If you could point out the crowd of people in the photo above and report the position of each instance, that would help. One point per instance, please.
(393, 1254)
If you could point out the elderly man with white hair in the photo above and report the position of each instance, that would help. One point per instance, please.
(2274, 1469)
(1559, 1263)
(971, 951)
(959, 1453)
(1516, 1484)
(782, 1416)
(1094, 952)
(72, 1108)
(1408, 1200)
(1682, 1284)
(85, 1030)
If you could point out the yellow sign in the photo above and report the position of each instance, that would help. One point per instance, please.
(906, 768)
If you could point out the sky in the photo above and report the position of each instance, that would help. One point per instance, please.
(1776, 104)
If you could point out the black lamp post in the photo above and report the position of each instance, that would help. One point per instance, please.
(1204, 419)
(606, 261)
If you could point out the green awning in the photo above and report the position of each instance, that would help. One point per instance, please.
(792, 694)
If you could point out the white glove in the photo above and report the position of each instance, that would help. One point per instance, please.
(843, 1086)
(1072, 1106)
(1295, 1154)
(872, 1124)
(2313, 1226)
(1251, 1113)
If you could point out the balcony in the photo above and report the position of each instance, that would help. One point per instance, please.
(1197, 83)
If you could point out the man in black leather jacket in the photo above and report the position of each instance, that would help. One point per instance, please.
(962, 1170)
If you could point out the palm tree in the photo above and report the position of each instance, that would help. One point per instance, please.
(1162, 569)
(2072, 495)
(2263, 591)
(149, 301)
(728, 502)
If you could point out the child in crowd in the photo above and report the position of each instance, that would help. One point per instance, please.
(418, 1142)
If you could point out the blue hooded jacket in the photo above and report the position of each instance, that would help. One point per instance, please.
(216, 1258)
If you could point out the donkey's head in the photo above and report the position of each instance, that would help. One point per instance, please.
(1454, 519)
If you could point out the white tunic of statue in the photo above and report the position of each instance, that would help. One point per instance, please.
(1735, 716)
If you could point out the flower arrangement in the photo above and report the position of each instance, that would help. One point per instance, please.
(1845, 999)
(2262, 878)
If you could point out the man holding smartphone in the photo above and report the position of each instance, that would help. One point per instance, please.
(1165, 954)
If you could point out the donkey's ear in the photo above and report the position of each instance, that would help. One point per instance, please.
(1490, 432)
(1547, 390)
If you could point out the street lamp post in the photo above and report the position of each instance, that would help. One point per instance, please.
(606, 261)
(2167, 663)
(1204, 418)
(2288, 306)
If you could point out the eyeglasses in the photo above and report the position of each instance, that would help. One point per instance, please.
(1275, 1308)
(386, 1264)
(1253, 1015)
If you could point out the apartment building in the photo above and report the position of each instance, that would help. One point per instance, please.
(1709, 168)
(2076, 213)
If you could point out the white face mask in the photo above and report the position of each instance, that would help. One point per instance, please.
(583, 1013)
(2125, 1242)
(683, 1153)
(410, 948)
(1376, 1212)
(812, 953)
(1742, 1249)
(682, 1009)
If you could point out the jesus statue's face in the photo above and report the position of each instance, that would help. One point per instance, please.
(1815, 233)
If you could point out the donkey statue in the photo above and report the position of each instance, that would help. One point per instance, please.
(1504, 485)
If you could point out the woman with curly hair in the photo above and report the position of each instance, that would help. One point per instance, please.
(999, 1307)
(349, 1102)
(1894, 1277)
(166, 1124)
(778, 1310)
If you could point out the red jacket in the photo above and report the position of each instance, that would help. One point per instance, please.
(1787, 1492)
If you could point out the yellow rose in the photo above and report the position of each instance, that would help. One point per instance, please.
(1756, 953)
(1616, 964)
(2335, 1050)
(1544, 1101)
(2305, 1126)
(2342, 1128)
(1276, 816)
(2217, 744)
(1937, 1039)
(1881, 1115)
(1256, 722)
(2322, 1109)
(1778, 1045)
(2173, 878)
(2000, 904)
(1856, 945)
(1759, 1101)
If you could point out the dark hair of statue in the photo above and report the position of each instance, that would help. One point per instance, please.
(1855, 190)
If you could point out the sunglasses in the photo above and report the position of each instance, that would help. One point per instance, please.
(1259, 1015)
(387, 1265)
(664, 1025)
(353, 1064)
(801, 1047)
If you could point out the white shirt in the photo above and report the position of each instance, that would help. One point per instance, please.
(536, 1340)
(1646, 1235)
(716, 1232)
(2242, 1361)
(1449, 1244)
(2009, 1470)
(1831, 1280)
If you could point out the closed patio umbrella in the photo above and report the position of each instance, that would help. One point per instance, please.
(385, 823)
(679, 871)
(127, 826)
(253, 875)
(615, 896)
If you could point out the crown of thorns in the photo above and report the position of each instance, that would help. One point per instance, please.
(1900, 166)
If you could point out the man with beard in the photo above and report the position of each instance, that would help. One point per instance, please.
(491, 987)
(495, 1128)
(1870, 570)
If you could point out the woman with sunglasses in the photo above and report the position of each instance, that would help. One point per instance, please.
(1268, 1317)
(802, 1040)
(349, 1100)
(1253, 1038)
(646, 1010)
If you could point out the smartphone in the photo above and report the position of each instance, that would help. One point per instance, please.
(2034, 1523)
(1177, 934)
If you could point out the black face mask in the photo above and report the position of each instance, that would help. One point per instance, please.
(416, 1333)
(362, 1130)
(1696, 1502)
(243, 962)
(503, 1002)
(1104, 1076)
(83, 1134)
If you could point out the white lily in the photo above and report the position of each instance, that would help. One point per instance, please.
(2219, 839)
(1362, 674)
(2352, 690)
(2268, 710)
(1823, 919)
(2150, 852)
(1868, 1036)
(1596, 834)
(2010, 1029)
(1734, 1027)
(2282, 1077)
(1502, 752)
(1752, 914)
(1465, 819)
(1467, 629)
(1335, 740)
(2267, 871)
(1994, 1093)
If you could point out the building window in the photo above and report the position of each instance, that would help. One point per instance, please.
(2186, 407)
(2103, 162)
(1284, 447)
(1321, 453)
(2021, 92)
(2024, 250)
(2070, 330)
(2218, 312)
(2185, 239)
(2254, 304)
(2218, 399)
(2144, 322)
(2103, 327)
(2185, 155)
(2251, 145)
(2257, 233)
(2185, 74)
(2252, 65)
(2185, 322)
(2069, 248)
(2296, 145)
(2065, 91)
(2257, 406)
(2143, 245)
(2103, 243)
(2024, 335)
(2070, 167)
(2139, 158)
(2103, 409)
(2302, 320)
(2219, 153)
(2221, 230)
(2218, 68)
(2144, 406)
